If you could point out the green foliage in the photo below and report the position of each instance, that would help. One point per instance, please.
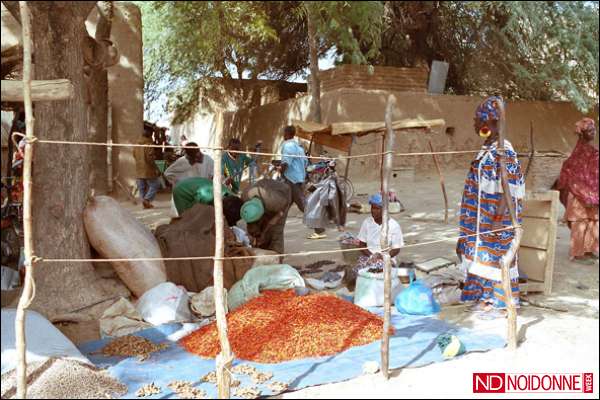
(186, 44)
(540, 50)
(353, 28)
(543, 50)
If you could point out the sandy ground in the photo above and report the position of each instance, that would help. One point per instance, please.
(549, 341)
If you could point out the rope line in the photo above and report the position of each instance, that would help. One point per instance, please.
(212, 148)
(303, 253)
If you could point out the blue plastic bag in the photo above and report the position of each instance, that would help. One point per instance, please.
(416, 299)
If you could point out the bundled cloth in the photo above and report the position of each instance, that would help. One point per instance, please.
(446, 285)
(193, 235)
(325, 203)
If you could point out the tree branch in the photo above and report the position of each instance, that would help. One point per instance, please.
(13, 8)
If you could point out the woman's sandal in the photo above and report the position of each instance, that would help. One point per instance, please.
(479, 307)
(316, 236)
(492, 314)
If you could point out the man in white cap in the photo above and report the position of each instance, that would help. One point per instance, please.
(370, 233)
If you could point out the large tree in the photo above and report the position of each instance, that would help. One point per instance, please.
(544, 50)
(61, 173)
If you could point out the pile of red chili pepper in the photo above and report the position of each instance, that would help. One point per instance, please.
(280, 326)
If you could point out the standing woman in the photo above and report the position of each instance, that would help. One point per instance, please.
(578, 186)
(484, 209)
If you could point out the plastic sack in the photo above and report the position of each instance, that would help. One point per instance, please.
(264, 277)
(121, 319)
(164, 304)
(10, 278)
(267, 257)
(369, 289)
(114, 233)
(417, 299)
(203, 303)
(44, 341)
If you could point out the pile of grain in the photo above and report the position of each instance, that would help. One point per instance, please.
(131, 345)
(280, 326)
(185, 390)
(64, 379)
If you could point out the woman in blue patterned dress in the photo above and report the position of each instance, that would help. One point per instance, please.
(484, 209)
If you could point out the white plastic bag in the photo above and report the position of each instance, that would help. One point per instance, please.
(115, 233)
(370, 288)
(165, 303)
(10, 278)
(44, 341)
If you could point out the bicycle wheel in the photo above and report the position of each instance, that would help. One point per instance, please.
(347, 187)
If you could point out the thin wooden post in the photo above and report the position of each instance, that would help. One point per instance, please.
(531, 151)
(385, 177)
(348, 160)
(509, 257)
(442, 184)
(109, 149)
(382, 161)
(225, 358)
(27, 294)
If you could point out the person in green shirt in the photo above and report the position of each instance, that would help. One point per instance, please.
(190, 191)
(234, 165)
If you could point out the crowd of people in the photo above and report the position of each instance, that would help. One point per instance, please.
(484, 211)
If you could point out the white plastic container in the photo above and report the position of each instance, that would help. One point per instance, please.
(370, 288)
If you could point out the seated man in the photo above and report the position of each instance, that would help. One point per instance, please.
(370, 236)
(265, 210)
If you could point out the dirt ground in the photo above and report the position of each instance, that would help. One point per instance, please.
(549, 341)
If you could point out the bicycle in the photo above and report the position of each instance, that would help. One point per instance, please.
(316, 172)
(323, 168)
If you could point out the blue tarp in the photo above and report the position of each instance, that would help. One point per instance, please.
(412, 345)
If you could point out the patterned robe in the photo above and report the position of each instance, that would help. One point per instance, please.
(481, 198)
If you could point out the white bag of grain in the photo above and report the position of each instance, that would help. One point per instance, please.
(43, 340)
(165, 303)
(115, 233)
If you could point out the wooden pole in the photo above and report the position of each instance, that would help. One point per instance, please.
(348, 160)
(509, 257)
(385, 177)
(109, 150)
(531, 152)
(382, 161)
(27, 294)
(225, 358)
(49, 90)
(442, 184)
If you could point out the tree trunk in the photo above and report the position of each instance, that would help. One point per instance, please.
(315, 83)
(98, 110)
(61, 181)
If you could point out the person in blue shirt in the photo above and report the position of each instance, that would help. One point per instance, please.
(293, 167)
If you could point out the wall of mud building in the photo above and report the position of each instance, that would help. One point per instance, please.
(126, 82)
(125, 86)
(552, 125)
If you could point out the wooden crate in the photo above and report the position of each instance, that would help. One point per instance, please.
(544, 170)
(536, 254)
